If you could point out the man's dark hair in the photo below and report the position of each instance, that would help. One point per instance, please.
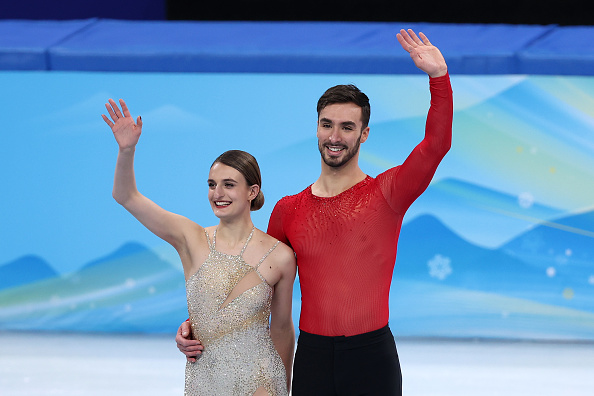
(346, 94)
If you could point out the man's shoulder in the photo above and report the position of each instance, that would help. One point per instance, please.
(387, 174)
(295, 197)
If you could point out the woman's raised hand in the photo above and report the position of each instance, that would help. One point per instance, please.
(125, 130)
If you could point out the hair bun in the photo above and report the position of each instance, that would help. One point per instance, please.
(257, 202)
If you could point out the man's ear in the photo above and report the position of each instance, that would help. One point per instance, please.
(364, 134)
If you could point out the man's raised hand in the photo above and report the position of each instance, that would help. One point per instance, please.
(426, 56)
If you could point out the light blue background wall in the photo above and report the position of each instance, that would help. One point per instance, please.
(500, 245)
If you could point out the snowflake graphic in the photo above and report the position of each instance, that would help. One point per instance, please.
(525, 200)
(439, 267)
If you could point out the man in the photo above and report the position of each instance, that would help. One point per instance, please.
(344, 230)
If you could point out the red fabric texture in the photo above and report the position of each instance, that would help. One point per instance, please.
(346, 245)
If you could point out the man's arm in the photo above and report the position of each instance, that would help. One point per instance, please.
(412, 178)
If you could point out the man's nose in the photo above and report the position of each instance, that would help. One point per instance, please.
(335, 135)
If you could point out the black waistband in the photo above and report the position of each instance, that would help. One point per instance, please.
(356, 341)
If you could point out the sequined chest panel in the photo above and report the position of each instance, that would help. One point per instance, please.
(226, 294)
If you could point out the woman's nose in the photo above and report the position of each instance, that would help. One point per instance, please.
(218, 191)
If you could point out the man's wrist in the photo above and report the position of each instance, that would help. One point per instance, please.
(438, 74)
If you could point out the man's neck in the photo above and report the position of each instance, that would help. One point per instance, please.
(333, 181)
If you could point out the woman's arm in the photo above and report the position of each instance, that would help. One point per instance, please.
(166, 225)
(282, 330)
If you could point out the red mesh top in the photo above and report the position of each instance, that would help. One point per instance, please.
(346, 244)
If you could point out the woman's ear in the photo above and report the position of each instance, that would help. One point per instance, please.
(254, 190)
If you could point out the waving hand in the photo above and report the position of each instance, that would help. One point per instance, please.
(125, 131)
(426, 56)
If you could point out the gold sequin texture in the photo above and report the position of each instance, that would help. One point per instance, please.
(239, 356)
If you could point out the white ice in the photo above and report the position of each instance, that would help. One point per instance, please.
(83, 364)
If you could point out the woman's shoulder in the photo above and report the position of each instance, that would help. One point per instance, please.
(278, 248)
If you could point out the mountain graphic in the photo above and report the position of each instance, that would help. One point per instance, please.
(565, 244)
(480, 214)
(438, 276)
(129, 290)
(24, 270)
(425, 243)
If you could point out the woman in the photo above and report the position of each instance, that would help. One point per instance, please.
(237, 277)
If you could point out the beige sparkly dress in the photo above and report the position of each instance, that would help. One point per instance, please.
(229, 305)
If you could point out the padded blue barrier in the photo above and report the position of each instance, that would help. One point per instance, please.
(293, 47)
(24, 44)
(569, 49)
(288, 47)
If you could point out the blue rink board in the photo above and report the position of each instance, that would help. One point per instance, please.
(288, 47)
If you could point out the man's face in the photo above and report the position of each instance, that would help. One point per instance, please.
(340, 133)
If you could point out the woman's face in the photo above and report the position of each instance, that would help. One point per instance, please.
(228, 192)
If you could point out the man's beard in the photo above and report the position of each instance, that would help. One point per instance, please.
(337, 162)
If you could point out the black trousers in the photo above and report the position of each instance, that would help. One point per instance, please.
(364, 364)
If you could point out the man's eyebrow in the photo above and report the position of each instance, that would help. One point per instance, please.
(324, 119)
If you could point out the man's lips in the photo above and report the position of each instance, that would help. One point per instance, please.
(335, 150)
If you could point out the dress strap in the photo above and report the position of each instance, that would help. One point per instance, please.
(210, 244)
(267, 253)
(249, 238)
(214, 240)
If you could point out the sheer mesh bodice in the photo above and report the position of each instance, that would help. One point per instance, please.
(346, 245)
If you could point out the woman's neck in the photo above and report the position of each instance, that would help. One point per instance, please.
(234, 233)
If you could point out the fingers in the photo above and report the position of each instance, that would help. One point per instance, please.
(425, 39)
(107, 121)
(110, 110)
(192, 353)
(184, 344)
(124, 108)
(185, 329)
(115, 108)
(409, 39)
(414, 37)
(114, 112)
